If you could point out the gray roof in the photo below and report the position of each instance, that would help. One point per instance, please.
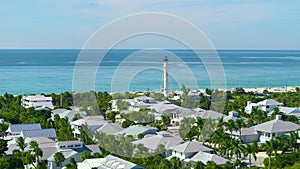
(66, 152)
(20, 127)
(245, 132)
(66, 143)
(190, 147)
(205, 157)
(152, 142)
(210, 114)
(276, 125)
(137, 129)
(50, 133)
(113, 162)
(110, 128)
(288, 111)
(93, 148)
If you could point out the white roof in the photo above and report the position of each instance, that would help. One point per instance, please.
(94, 122)
(90, 163)
(37, 98)
(288, 111)
(276, 125)
(190, 147)
(110, 128)
(137, 129)
(152, 142)
(269, 102)
(205, 157)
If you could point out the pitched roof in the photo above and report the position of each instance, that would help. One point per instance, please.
(152, 142)
(20, 127)
(110, 128)
(50, 133)
(137, 129)
(66, 143)
(269, 102)
(113, 162)
(210, 114)
(205, 157)
(90, 163)
(190, 147)
(276, 125)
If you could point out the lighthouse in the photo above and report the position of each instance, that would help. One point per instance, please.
(165, 75)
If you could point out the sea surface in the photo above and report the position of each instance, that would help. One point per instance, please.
(51, 71)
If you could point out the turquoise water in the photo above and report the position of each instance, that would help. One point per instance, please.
(51, 71)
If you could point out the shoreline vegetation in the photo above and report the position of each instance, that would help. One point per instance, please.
(220, 141)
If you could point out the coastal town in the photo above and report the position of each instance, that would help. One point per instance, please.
(149, 130)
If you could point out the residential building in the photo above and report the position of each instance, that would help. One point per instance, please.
(37, 102)
(109, 162)
(64, 113)
(204, 157)
(110, 128)
(274, 128)
(164, 138)
(49, 133)
(14, 130)
(266, 105)
(92, 122)
(186, 150)
(138, 129)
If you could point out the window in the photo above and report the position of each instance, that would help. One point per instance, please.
(70, 146)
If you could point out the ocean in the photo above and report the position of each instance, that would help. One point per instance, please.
(51, 71)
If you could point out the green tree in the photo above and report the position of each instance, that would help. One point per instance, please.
(37, 151)
(59, 158)
(250, 151)
(3, 147)
(4, 164)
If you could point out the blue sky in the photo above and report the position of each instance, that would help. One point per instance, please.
(229, 24)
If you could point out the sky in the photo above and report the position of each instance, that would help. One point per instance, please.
(229, 24)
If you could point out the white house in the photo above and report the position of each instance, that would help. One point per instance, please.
(266, 105)
(288, 111)
(164, 138)
(37, 102)
(109, 162)
(186, 150)
(70, 114)
(272, 129)
(92, 122)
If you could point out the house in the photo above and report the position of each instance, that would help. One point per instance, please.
(92, 122)
(232, 115)
(176, 113)
(14, 130)
(109, 162)
(288, 111)
(164, 138)
(266, 105)
(37, 102)
(110, 128)
(144, 99)
(204, 157)
(70, 149)
(186, 150)
(49, 133)
(272, 129)
(209, 114)
(247, 135)
(64, 113)
(138, 129)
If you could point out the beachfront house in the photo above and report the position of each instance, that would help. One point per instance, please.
(109, 162)
(38, 102)
(266, 105)
(272, 129)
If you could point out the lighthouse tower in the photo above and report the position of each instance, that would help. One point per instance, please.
(165, 75)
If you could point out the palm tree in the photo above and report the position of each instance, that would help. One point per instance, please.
(292, 139)
(59, 158)
(250, 150)
(199, 165)
(37, 152)
(230, 125)
(236, 148)
(240, 123)
(270, 147)
(21, 143)
(175, 163)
